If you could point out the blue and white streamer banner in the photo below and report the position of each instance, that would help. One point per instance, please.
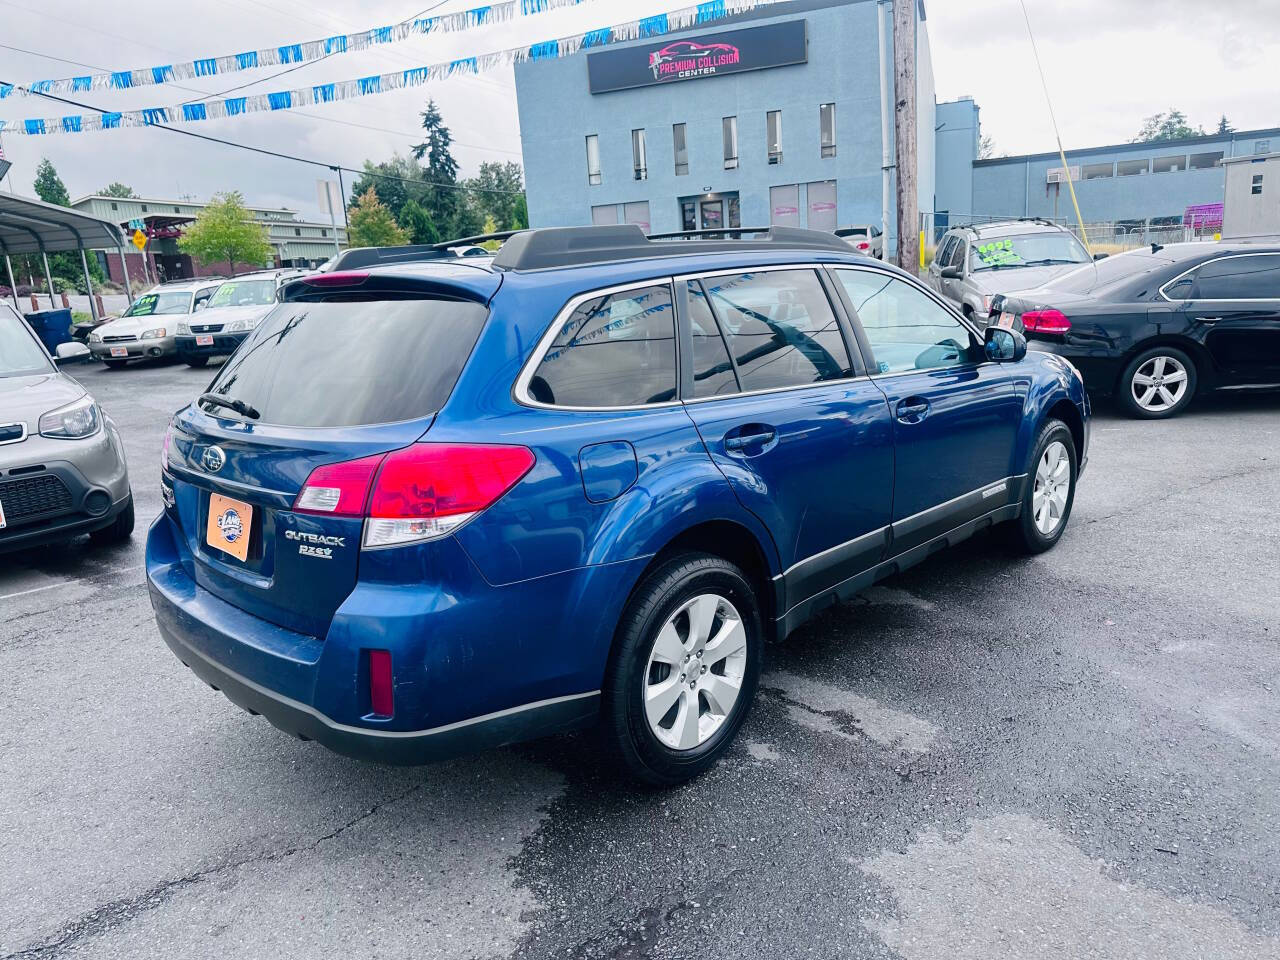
(290, 53)
(682, 19)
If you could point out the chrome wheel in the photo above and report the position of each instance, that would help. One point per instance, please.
(1053, 485)
(1159, 384)
(695, 672)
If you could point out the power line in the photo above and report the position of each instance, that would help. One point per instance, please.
(287, 156)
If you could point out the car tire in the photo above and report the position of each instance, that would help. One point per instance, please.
(197, 362)
(1143, 391)
(115, 364)
(119, 530)
(1046, 505)
(677, 619)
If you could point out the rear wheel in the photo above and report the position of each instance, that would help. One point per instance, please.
(1050, 493)
(684, 669)
(1157, 383)
(120, 529)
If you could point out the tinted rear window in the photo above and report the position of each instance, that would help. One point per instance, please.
(345, 364)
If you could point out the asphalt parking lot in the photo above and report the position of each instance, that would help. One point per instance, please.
(1075, 755)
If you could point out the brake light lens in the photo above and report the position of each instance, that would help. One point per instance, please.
(1047, 320)
(347, 278)
(863, 245)
(339, 489)
(421, 492)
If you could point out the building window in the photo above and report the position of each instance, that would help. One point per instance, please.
(297, 231)
(1097, 171)
(593, 160)
(1256, 189)
(604, 214)
(1261, 147)
(144, 208)
(681, 147)
(114, 205)
(1204, 161)
(639, 157)
(637, 213)
(1168, 164)
(784, 205)
(177, 209)
(324, 233)
(1132, 168)
(773, 126)
(730, 127)
(827, 122)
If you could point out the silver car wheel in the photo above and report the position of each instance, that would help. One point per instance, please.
(1159, 384)
(695, 672)
(1052, 486)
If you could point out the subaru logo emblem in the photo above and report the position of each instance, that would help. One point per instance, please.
(213, 459)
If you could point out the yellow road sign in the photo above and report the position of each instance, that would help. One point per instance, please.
(139, 239)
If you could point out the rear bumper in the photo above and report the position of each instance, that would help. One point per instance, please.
(223, 345)
(1099, 371)
(459, 687)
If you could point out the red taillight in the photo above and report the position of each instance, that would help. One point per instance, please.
(349, 278)
(382, 700)
(420, 492)
(1047, 320)
(864, 245)
(339, 489)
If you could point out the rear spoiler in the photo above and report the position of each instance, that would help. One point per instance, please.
(363, 285)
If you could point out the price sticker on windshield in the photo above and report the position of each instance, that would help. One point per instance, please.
(998, 253)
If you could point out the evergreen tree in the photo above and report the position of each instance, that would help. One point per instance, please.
(64, 266)
(49, 186)
(1225, 127)
(417, 223)
(117, 189)
(441, 198)
(496, 189)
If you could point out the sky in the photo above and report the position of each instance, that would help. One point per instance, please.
(1109, 64)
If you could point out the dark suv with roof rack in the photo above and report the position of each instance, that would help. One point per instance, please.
(582, 483)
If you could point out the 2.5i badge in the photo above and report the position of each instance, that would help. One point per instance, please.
(230, 522)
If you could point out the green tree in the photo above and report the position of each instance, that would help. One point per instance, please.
(520, 217)
(442, 199)
(371, 224)
(496, 188)
(49, 186)
(1224, 126)
(225, 232)
(397, 181)
(117, 189)
(1166, 126)
(416, 222)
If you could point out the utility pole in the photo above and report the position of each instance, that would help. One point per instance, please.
(904, 133)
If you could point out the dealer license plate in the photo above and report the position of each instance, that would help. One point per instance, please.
(119, 351)
(204, 340)
(1006, 320)
(229, 524)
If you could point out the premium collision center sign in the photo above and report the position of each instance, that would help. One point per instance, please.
(665, 60)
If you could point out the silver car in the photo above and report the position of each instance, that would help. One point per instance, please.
(974, 263)
(866, 238)
(62, 465)
(147, 328)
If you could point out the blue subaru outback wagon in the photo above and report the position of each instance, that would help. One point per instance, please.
(435, 507)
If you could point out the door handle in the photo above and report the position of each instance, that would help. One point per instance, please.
(1208, 319)
(912, 409)
(751, 435)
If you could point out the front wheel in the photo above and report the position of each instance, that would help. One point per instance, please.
(684, 669)
(1157, 383)
(1050, 493)
(119, 530)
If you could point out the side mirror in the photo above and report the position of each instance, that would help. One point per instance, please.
(952, 273)
(1101, 256)
(71, 352)
(1004, 346)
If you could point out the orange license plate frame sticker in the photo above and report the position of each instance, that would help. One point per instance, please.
(230, 522)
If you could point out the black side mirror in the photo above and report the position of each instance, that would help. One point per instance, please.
(952, 273)
(1004, 346)
(1101, 256)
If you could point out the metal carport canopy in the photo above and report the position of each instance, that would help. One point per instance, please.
(32, 226)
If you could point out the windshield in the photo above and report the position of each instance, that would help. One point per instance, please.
(244, 293)
(341, 364)
(151, 304)
(1026, 250)
(20, 354)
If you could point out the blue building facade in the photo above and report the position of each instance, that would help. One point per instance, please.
(774, 138)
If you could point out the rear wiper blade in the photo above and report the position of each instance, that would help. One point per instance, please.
(239, 406)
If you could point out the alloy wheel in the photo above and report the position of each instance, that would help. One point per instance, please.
(1052, 485)
(1159, 384)
(695, 672)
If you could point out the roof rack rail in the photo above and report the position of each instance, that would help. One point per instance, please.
(355, 258)
(553, 247)
(210, 276)
(500, 235)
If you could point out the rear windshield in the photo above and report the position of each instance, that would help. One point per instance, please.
(342, 364)
(1110, 270)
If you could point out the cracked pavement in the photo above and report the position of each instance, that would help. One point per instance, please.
(1074, 755)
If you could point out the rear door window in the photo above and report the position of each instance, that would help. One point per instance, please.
(780, 328)
(614, 350)
(1239, 278)
(341, 364)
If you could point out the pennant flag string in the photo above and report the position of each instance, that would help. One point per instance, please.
(290, 53)
(703, 13)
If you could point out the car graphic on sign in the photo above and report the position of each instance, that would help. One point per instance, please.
(686, 50)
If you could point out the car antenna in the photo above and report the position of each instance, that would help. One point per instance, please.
(1156, 247)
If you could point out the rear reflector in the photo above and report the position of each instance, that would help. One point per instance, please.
(349, 278)
(382, 700)
(421, 492)
(1048, 320)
